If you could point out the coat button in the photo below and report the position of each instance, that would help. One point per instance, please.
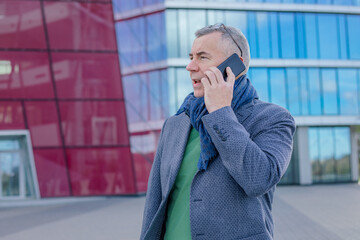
(215, 127)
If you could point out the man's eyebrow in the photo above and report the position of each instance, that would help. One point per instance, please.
(199, 53)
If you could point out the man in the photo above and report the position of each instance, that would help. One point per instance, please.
(220, 157)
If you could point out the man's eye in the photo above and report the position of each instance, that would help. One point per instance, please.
(203, 57)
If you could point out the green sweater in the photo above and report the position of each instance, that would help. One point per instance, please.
(178, 213)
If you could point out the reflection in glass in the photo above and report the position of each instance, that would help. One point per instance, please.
(184, 85)
(293, 90)
(9, 173)
(274, 43)
(342, 153)
(304, 95)
(277, 87)
(328, 36)
(311, 40)
(155, 33)
(353, 23)
(172, 33)
(252, 38)
(287, 33)
(315, 93)
(259, 78)
(329, 90)
(347, 90)
(262, 21)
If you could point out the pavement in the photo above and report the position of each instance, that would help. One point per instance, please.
(329, 212)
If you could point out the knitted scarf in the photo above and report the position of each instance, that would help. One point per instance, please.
(195, 108)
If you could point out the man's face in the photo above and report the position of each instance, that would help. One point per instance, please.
(206, 52)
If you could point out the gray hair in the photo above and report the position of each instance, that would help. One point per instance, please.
(231, 47)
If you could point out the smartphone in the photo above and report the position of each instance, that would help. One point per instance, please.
(234, 62)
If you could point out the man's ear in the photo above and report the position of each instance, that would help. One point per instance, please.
(242, 59)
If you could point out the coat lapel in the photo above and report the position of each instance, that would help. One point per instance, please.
(180, 137)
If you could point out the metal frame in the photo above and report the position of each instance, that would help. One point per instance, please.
(29, 150)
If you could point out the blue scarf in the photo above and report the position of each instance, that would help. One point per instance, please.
(195, 108)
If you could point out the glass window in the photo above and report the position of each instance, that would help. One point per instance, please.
(165, 98)
(353, 23)
(156, 45)
(328, 36)
(184, 85)
(195, 22)
(327, 161)
(173, 103)
(342, 153)
(122, 6)
(315, 92)
(287, 35)
(252, 38)
(343, 2)
(172, 33)
(293, 90)
(215, 16)
(342, 37)
(274, 43)
(304, 96)
(300, 35)
(154, 95)
(184, 33)
(311, 40)
(314, 154)
(348, 91)
(327, 2)
(259, 78)
(131, 47)
(329, 91)
(263, 35)
(277, 87)
(132, 87)
(237, 19)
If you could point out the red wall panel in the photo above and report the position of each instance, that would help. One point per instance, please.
(94, 123)
(11, 115)
(27, 75)
(51, 172)
(43, 123)
(21, 25)
(80, 26)
(101, 171)
(87, 75)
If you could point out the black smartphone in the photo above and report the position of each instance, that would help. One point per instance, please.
(234, 62)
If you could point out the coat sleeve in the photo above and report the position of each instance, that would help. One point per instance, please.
(154, 193)
(259, 162)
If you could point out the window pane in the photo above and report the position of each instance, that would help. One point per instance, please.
(252, 38)
(156, 46)
(215, 16)
(172, 91)
(293, 91)
(328, 36)
(314, 154)
(329, 91)
(300, 35)
(315, 93)
(259, 79)
(304, 96)
(184, 33)
(327, 160)
(184, 85)
(287, 33)
(196, 21)
(274, 43)
(263, 35)
(165, 98)
(277, 87)
(310, 36)
(342, 37)
(238, 20)
(172, 34)
(353, 22)
(342, 153)
(154, 95)
(348, 91)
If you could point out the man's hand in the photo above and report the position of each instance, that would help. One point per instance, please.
(217, 92)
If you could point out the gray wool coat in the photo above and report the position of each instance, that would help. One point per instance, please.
(232, 199)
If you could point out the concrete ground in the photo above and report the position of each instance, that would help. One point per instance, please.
(311, 212)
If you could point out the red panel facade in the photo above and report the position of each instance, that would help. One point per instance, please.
(60, 79)
(51, 172)
(87, 75)
(21, 25)
(11, 115)
(101, 171)
(80, 26)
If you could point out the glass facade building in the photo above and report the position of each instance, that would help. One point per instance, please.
(85, 86)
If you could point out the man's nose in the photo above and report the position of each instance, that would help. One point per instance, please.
(192, 66)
